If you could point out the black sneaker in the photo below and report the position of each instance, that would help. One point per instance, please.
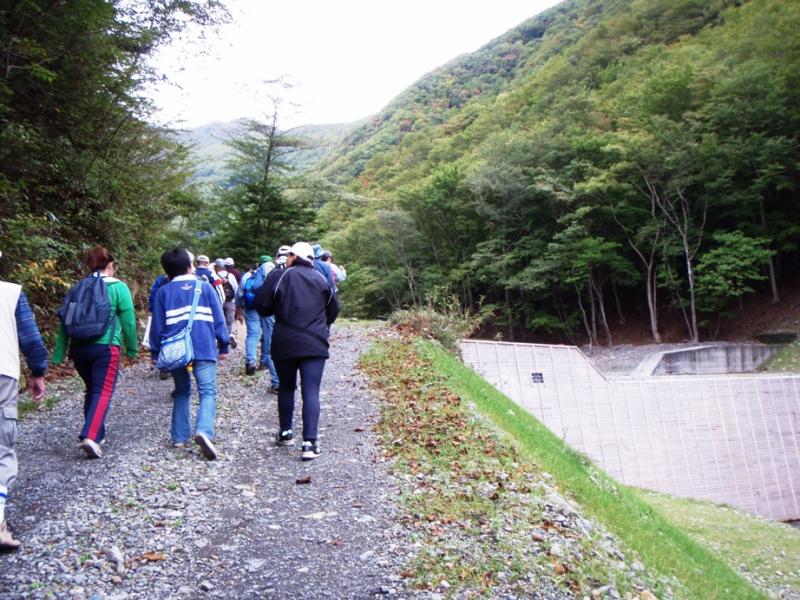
(311, 450)
(233, 342)
(249, 369)
(285, 438)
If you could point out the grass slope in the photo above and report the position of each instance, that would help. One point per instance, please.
(786, 360)
(663, 547)
(486, 521)
(767, 552)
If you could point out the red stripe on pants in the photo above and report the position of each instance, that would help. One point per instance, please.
(105, 394)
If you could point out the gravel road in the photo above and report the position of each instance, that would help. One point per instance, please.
(151, 521)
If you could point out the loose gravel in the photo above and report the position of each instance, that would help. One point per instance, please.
(151, 521)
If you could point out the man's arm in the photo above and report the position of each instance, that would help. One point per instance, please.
(31, 345)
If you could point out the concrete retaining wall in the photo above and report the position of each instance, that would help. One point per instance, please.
(709, 360)
(733, 439)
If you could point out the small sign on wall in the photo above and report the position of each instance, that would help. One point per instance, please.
(537, 377)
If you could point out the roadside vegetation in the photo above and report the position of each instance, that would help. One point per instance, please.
(473, 459)
(601, 163)
(766, 553)
(785, 360)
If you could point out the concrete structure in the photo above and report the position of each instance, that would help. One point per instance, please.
(710, 359)
(729, 439)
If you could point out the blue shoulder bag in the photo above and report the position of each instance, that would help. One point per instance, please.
(176, 350)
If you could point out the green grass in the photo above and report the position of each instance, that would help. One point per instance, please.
(345, 322)
(662, 546)
(767, 551)
(785, 360)
(55, 391)
(481, 514)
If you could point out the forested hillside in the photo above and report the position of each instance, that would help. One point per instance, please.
(80, 163)
(603, 161)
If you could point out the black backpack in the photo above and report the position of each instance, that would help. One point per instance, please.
(228, 289)
(86, 312)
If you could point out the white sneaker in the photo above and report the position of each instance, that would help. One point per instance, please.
(206, 447)
(91, 448)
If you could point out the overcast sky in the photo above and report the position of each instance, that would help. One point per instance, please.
(345, 58)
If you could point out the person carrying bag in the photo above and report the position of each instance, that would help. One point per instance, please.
(187, 337)
(176, 350)
(97, 318)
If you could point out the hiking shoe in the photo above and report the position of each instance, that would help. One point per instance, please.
(206, 447)
(274, 389)
(164, 375)
(7, 541)
(249, 369)
(91, 448)
(311, 450)
(285, 438)
(233, 342)
(263, 367)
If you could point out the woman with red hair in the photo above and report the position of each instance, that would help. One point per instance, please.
(97, 360)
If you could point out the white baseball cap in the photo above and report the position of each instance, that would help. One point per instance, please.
(303, 250)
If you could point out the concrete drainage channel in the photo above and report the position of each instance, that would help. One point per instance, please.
(717, 359)
(731, 439)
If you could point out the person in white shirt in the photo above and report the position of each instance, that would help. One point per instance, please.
(229, 286)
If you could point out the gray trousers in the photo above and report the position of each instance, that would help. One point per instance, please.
(229, 309)
(9, 389)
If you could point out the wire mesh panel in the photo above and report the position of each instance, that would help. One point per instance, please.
(729, 439)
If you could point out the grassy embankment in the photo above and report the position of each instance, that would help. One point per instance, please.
(767, 551)
(431, 383)
(786, 360)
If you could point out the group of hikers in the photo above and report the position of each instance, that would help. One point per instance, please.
(287, 304)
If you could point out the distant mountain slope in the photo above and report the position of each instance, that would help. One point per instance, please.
(442, 97)
(208, 143)
(589, 35)
(595, 162)
(209, 148)
(323, 140)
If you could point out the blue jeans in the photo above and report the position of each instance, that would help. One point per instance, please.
(267, 325)
(205, 375)
(252, 321)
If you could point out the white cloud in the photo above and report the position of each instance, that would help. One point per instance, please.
(347, 59)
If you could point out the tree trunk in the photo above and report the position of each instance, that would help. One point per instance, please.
(773, 283)
(651, 303)
(509, 315)
(592, 309)
(583, 314)
(692, 301)
(598, 290)
(617, 301)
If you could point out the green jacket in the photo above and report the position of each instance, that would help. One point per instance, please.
(123, 327)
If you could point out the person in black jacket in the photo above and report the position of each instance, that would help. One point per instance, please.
(304, 306)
